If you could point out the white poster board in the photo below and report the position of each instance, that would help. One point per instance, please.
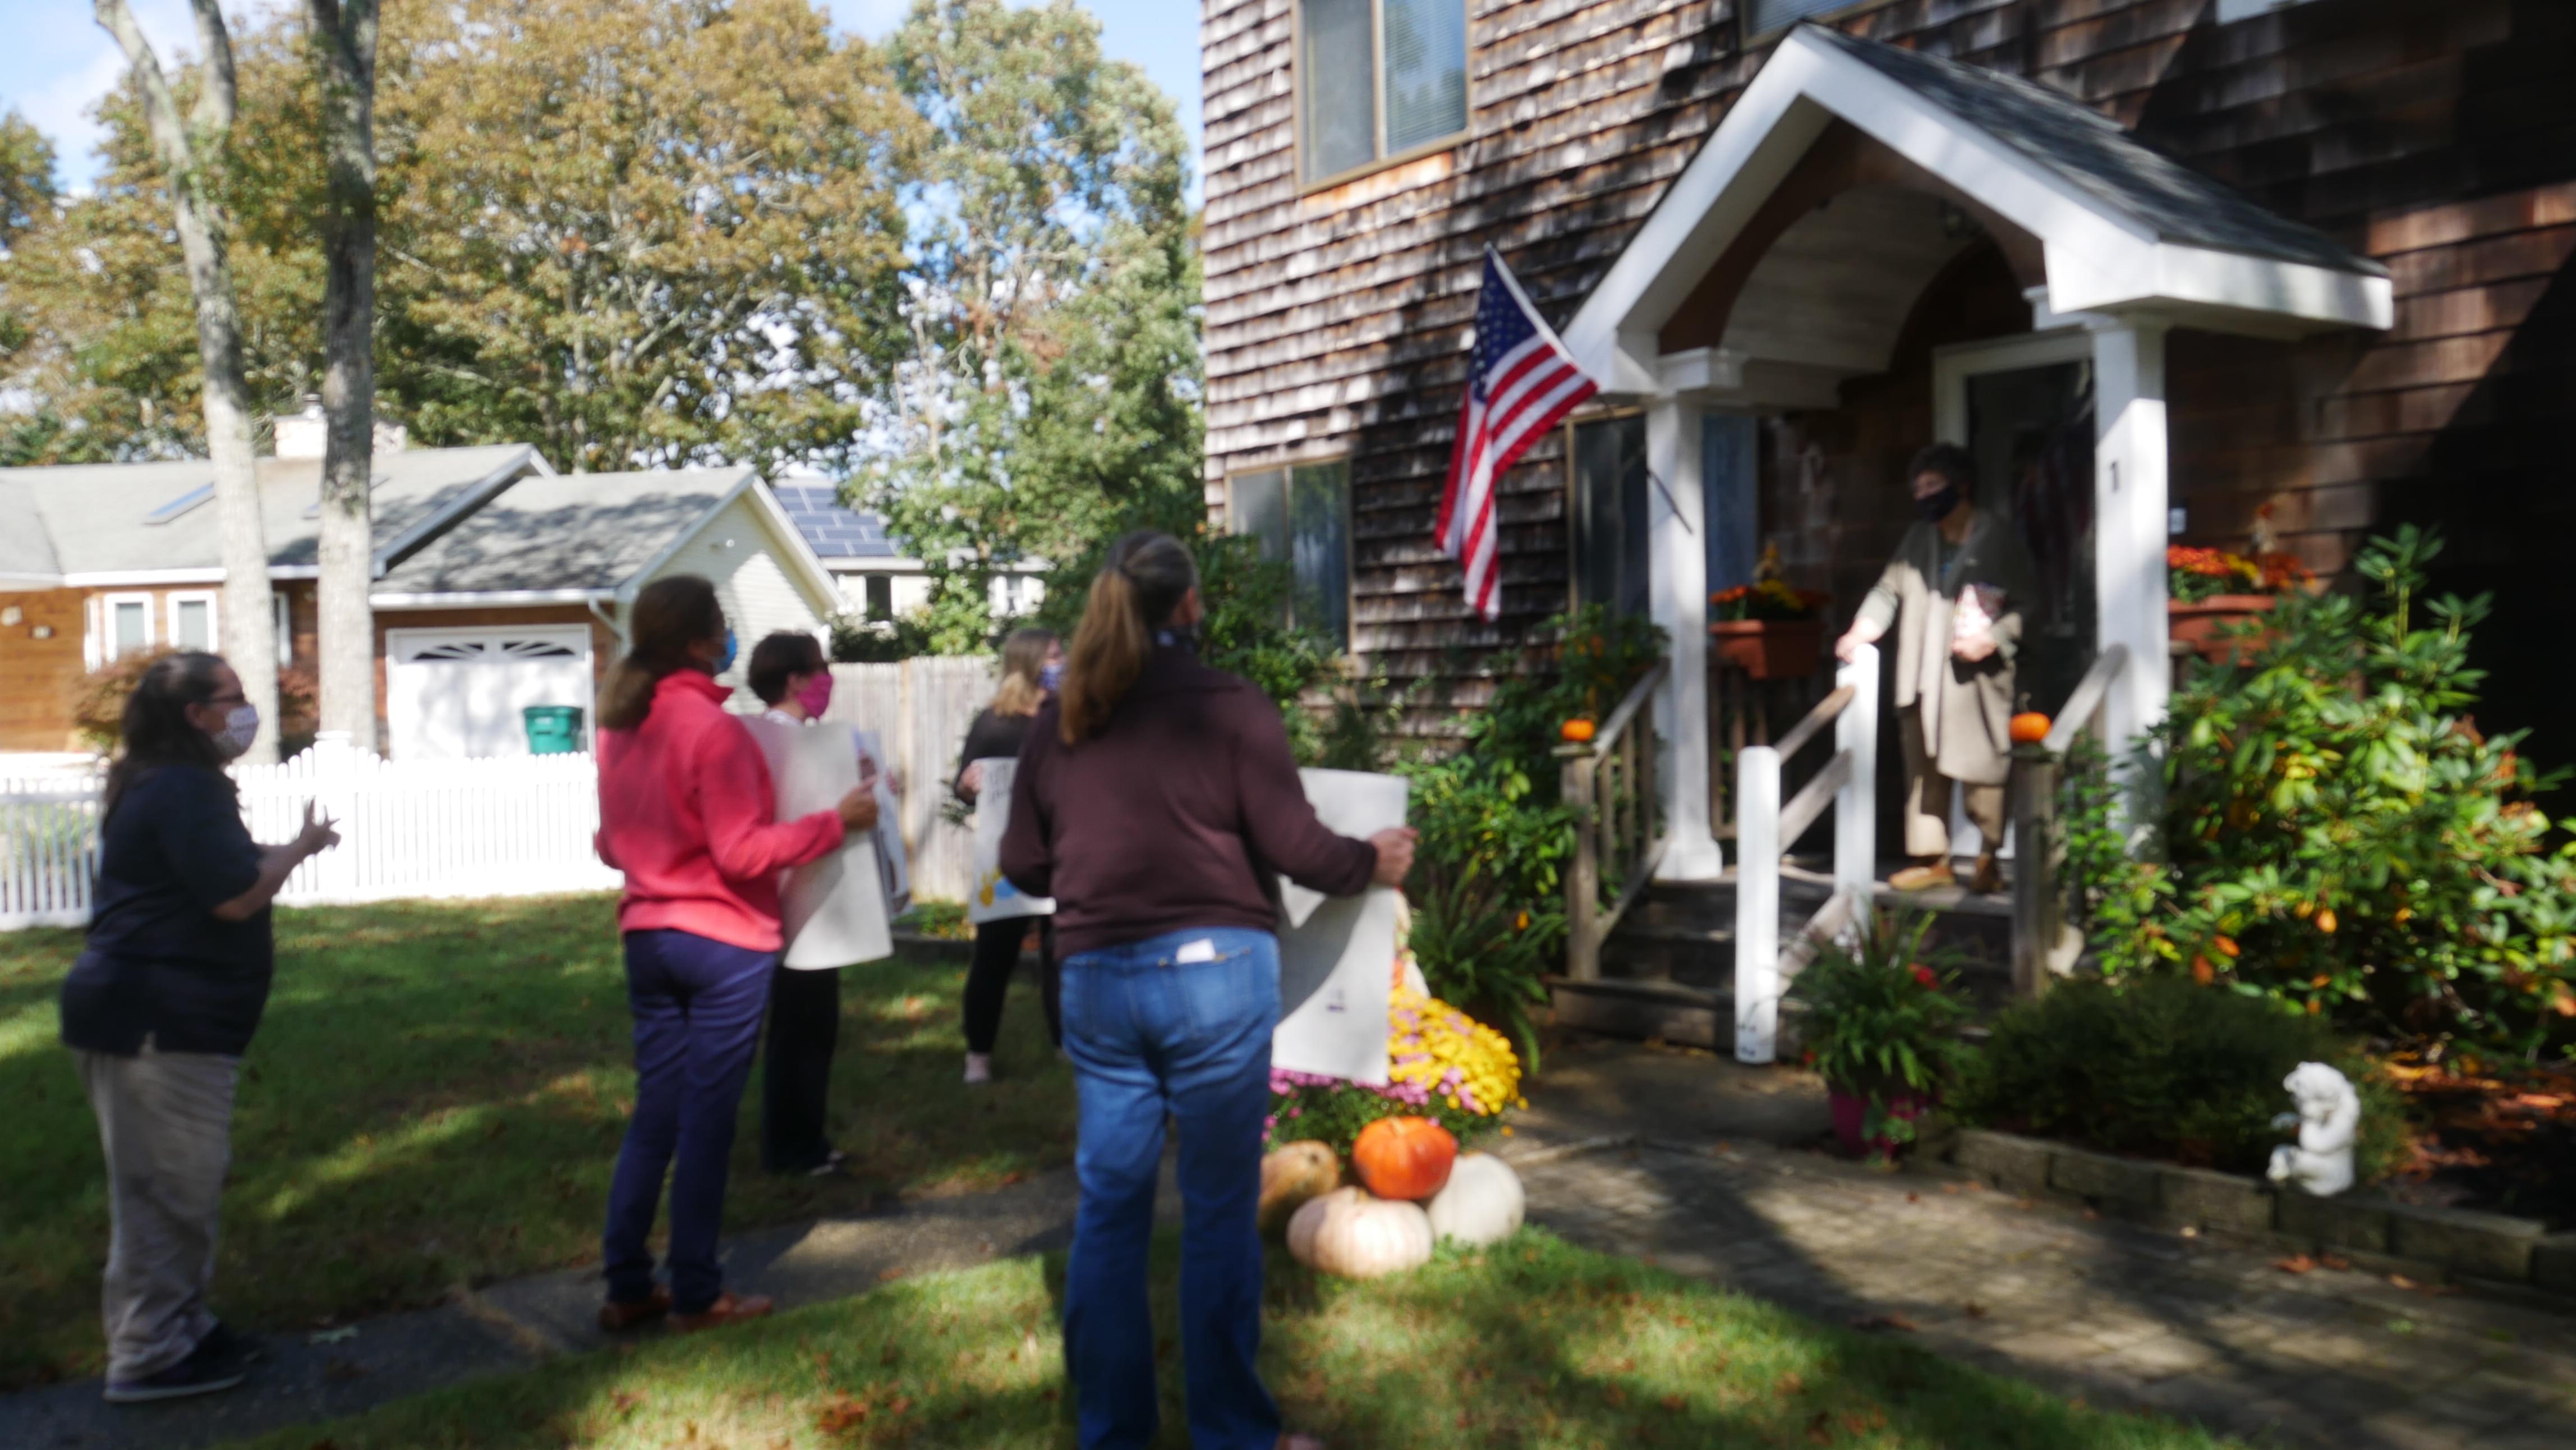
(835, 908)
(1337, 954)
(994, 897)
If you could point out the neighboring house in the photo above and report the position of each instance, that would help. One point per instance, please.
(879, 582)
(500, 584)
(2186, 269)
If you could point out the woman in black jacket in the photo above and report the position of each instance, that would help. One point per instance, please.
(1031, 660)
(161, 1006)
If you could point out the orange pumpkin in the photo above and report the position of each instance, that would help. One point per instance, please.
(2030, 727)
(1578, 731)
(1405, 1158)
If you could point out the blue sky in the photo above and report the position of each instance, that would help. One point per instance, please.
(57, 62)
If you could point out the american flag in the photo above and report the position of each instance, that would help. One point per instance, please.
(1523, 383)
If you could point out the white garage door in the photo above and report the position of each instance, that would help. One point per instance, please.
(452, 694)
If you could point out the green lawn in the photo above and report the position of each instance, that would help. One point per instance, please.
(436, 1097)
(1530, 1344)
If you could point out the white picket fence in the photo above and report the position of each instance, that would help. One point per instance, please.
(513, 826)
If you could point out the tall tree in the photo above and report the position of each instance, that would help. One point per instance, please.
(1051, 394)
(194, 148)
(26, 178)
(344, 53)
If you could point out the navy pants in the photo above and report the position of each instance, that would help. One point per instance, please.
(697, 1005)
(1179, 1025)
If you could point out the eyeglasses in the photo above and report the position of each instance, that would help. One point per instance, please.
(236, 697)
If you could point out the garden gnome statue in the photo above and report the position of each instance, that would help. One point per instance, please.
(2328, 1119)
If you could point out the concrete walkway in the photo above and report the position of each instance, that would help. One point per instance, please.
(1686, 1159)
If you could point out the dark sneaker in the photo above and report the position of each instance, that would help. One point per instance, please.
(225, 1345)
(199, 1374)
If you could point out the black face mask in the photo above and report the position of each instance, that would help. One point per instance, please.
(1937, 507)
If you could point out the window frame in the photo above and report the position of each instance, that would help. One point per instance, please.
(1377, 107)
(1571, 462)
(214, 618)
(1749, 38)
(1287, 472)
(108, 653)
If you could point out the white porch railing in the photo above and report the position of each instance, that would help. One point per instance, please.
(1766, 827)
(2044, 945)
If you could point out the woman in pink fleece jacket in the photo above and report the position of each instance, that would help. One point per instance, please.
(687, 811)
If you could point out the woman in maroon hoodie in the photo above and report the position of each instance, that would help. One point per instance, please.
(1156, 801)
(688, 812)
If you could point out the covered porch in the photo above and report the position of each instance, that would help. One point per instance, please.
(1877, 249)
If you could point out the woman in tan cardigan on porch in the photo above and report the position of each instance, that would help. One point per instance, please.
(1955, 593)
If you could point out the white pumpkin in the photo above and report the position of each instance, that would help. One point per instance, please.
(1351, 1234)
(1482, 1202)
(1294, 1176)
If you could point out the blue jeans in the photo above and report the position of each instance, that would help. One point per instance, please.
(1150, 1034)
(697, 1006)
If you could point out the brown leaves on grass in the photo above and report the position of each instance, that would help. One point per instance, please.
(1889, 1320)
(846, 1414)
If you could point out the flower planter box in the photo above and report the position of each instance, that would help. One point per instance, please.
(1851, 1119)
(1770, 649)
(2197, 624)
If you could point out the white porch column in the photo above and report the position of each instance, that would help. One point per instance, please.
(1677, 570)
(2129, 510)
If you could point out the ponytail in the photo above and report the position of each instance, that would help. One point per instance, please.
(668, 616)
(1146, 577)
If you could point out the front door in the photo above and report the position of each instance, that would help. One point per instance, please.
(1610, 523)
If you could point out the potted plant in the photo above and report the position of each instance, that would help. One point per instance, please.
(1882, 1019)
(1769, 628)
(2209, 590)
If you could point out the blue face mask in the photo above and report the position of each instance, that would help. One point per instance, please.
(1050, 678)
(725, 662)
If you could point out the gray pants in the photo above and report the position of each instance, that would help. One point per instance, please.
(165, 1119)
(1927, 799)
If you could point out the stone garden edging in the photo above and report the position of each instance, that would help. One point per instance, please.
(2492, 1248)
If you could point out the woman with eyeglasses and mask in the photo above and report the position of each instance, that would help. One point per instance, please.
(687, 810)
(1156, 801)
(1032, 665)
(161, 1006)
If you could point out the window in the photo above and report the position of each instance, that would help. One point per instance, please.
(1761, 17)
(192, 621)
(880, 596)
(1302, 516)
(1610, 514)
(126, 621)
(1378, 79)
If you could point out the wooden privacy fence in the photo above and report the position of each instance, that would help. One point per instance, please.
(1619, 836)
(508, 826)
(1766, 827)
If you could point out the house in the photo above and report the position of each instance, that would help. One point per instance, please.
(878, 578)
(499, 583)
(2173, 270)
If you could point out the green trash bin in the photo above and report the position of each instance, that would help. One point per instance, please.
(553, 729)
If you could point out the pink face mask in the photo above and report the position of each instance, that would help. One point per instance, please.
(816, 697)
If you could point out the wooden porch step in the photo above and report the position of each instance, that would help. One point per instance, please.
(1664, 1011)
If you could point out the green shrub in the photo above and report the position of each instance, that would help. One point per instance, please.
(2164, 1068)
(2342, 837)
(1484, 953)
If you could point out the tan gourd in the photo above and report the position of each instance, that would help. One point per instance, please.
(1355, 1236)
(1292, 1176)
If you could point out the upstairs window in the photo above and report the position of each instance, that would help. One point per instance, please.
(1378, 80)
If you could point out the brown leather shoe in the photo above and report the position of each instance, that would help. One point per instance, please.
(1988, 878)
(1926, 877)
(619, 1315)
(729, 1308)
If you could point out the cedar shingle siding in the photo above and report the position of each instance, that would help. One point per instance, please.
(2439, 139)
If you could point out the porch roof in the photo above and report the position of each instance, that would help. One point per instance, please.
(2118, 227)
